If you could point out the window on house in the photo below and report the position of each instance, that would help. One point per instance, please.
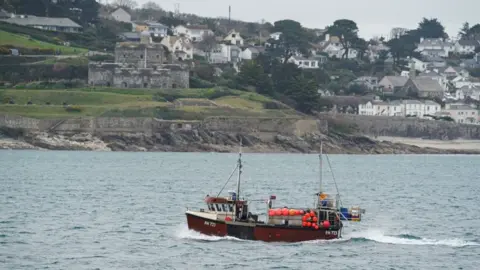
(141, 56)
(233, 35)
(145, 85)
(158, 56)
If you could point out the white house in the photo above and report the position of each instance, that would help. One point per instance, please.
(181, 47)
(419, 64)
(193, 32)
(234, 38)
(460, 82)
(472, 91)
(121, 15)
(381, 108)
(431, 107)
(276, 35)
(466, 46)
(305, 63)
(157, 29)
(413, 108)
(334, 48)
(252, 52)
(462, 113)
(435, 47)
(221, 54)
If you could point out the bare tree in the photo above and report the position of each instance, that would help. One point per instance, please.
(130, 4)
(151, 5)
(207, 44)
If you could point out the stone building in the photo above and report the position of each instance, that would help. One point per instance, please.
(139, 65)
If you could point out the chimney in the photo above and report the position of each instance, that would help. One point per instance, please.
(327, 37)
(421, 39)
(413, 72)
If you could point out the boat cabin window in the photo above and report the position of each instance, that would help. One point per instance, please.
(218, 208)
(211, 207)
(230, 208)
(224, 208)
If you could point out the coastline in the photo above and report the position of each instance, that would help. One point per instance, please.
(207, 141)
(458, 144)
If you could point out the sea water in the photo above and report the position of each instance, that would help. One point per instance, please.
(118, 210)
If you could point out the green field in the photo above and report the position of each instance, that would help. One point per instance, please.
(187, 104)
(23, 41)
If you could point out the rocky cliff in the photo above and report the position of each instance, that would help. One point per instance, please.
(205, 140)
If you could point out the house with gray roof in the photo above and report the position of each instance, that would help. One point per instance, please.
(129, 36)
(4, 14)
(466, 46)
(392, 84)
(472, 91)
(424, 87)
(46, 23)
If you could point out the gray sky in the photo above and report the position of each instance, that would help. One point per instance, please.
(373, 17)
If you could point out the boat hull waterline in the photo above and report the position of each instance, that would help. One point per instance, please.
(258, 231)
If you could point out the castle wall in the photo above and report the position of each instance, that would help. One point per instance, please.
(101, 75)
(135, 55)
(142, 78)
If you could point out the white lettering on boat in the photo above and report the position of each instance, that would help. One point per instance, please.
(330, 233)
(211, 224)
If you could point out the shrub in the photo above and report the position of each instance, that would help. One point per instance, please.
(73, 109)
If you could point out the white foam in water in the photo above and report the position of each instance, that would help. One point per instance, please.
(379, 236)
(184, 233)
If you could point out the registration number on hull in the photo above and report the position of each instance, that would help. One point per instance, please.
(211, 224)
(331, 233)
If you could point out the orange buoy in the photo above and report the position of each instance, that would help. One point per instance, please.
(312, 214)
(278, 212)
(292, 212)
(302, 212)
(309, 224)
(285, 211)
(304, 218)
(315, 219)
(316, 227)
(271, 212)
(228, 219)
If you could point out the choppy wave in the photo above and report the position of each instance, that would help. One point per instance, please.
(362, 236)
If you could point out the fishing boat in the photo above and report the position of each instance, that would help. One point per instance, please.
(230, 216)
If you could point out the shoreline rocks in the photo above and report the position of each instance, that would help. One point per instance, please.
(202, 140)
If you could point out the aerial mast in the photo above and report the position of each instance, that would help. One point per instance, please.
(239, 170)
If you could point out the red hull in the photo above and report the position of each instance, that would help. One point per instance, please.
(262, 232)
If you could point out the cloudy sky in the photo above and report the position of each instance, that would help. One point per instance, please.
(373, 17)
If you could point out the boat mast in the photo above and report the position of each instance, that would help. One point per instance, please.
(321, 165)
(239, 170)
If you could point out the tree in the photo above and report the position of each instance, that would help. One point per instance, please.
(360, 45)
(207, 45)
(89, 13)
(292, 40)
(403, 46)
(129, 4)
(151, 5)
(431, 28)
(252, 75)
(304, 92)
(464, 31)
(346, 31)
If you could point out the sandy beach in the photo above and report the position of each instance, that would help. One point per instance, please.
(439, 144)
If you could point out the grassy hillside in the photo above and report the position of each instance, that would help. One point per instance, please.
(187, 104)
(24, 41)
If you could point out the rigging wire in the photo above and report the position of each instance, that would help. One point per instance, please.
(333, 176)
(230, 177)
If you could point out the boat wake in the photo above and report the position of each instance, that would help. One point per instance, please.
(405, 239)
(185, 233)
(373, 235)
